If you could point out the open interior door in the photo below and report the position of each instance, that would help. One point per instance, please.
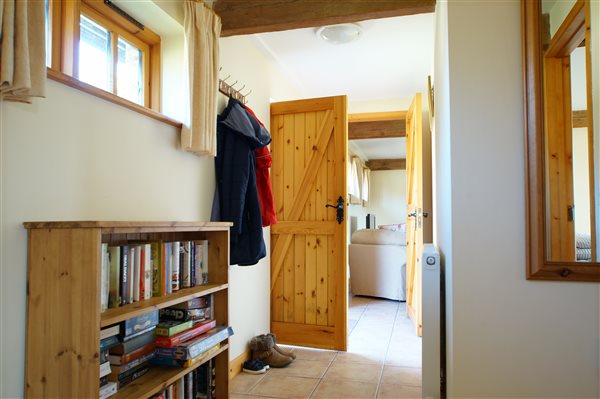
(308, 244)
(414, 219)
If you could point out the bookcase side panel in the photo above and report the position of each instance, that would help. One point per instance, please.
(63, 313)
(218, 256)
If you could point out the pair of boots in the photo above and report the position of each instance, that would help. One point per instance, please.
(265, 348)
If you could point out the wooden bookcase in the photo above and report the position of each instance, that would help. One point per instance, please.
(63, 304)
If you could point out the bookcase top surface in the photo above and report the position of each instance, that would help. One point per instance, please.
(88, 224)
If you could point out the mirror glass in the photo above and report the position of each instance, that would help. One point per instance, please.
(568, 35)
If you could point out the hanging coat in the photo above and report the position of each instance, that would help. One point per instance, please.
(263, 182)
(239, 134)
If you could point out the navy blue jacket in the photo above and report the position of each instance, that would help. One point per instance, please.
(239, 134)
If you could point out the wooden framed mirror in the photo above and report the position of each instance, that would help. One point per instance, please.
(562, 146)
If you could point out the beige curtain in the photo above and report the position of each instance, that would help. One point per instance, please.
(22, 50)
(202, 30)
(366, 180)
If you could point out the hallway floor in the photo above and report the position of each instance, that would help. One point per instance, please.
(383, 361)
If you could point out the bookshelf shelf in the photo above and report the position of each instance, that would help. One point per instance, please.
(157, 379)
(63, 304)
(116, 315)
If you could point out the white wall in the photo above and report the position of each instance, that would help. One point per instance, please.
(249, 286)
(72, 156)
(506, 336)
(387, 199)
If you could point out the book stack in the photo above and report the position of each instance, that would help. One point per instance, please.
(198, 384)
(135, 272)
(108, 339)
(130, 358)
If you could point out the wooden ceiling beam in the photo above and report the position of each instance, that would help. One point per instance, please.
(377, 116)
(386, 164)
(242, 17)
(376, 129)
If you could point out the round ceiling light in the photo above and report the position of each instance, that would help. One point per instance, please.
(339, 34)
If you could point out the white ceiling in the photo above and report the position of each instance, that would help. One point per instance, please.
(391, 60)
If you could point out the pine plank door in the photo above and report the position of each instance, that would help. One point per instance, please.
(414, 220)
(308, 245)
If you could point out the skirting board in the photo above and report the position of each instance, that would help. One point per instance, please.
(235, 365)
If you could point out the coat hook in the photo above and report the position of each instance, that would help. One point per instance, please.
(224, 80)
(247, 94)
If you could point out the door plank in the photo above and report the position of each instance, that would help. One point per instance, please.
(304, 227)
(311, 280)
(277, 291)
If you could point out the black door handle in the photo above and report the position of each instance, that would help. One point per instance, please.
(339, 209)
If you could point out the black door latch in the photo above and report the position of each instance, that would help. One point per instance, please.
(339, 209)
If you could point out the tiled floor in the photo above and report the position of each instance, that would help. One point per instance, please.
(383, 361)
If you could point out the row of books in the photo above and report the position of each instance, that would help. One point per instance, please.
(179, 336)
(139, 271)
(198, 384)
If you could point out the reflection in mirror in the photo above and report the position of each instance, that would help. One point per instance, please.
(568, 136)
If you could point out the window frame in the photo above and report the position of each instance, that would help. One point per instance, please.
(64, 26)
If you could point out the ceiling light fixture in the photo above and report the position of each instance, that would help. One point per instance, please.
(340, 34)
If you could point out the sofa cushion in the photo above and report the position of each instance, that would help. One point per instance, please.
(378, 237)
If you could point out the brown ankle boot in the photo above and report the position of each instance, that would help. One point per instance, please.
(263, 349)
(285, 352)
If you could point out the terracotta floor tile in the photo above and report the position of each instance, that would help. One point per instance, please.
(285, 386)
(314, 354)
(303, 368)
(395, 391)
(354, 371)
(243, 382)
(402, 376)
(335, 388)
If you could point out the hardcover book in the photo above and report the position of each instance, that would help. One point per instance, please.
(114, 299)
(104, 278)
(124, 291)
(157, 268)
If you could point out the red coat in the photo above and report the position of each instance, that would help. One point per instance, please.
(263, 182)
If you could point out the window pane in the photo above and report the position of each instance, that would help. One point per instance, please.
(129, 73)
(94, 54)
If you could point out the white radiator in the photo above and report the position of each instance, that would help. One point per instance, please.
(432, 321)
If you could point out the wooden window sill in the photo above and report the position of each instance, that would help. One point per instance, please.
(77, 84)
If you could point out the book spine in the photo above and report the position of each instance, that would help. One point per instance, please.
(114, 299)
(192, 264)
(198, 261)
(105, 277)
(156, 268)
(108, 390)
(123, 382)
(148, 271)
(167, 269)
(142, 272)
(185, 261)
(124, 275)
(134, 363)
(175, 269)
(204, 261)
(137, 253)
(131, 277)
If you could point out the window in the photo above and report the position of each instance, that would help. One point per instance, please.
(105, 47)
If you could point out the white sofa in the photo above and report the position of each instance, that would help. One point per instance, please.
(377, 260)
